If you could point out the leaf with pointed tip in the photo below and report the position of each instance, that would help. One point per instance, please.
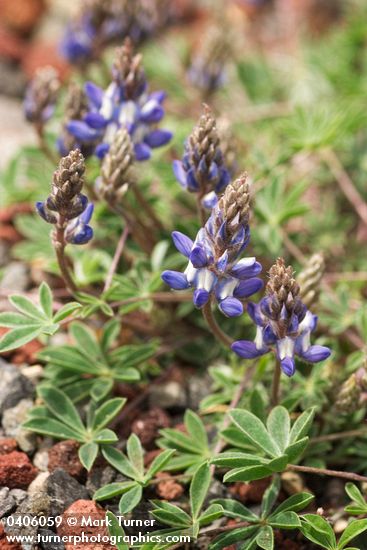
(107, 412)
(120, 462)
(158, 463)
(265, 538)
(28, 308)
(19, 337)
(250, 473)
(278, 426)
(105, 436)
(130, 499)
(62, 407)
(355, 528)
(237, 535)
(302, 425)
(85, 340)
(45, 299)
(270, 496)
(116, 531)
(285, 520)
(65, 311)
(54, 428)
(196, 429)
(113, 490)
(236, 510)
(87, 454)
(255, 430)
(135, 453)
(318, 530)
(215, 511)
(295, 503)
(198, 489)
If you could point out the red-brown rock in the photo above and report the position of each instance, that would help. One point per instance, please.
(148, 424)
(16, 470)
(11, 46)
(27, 353)
(41, 54)
(84, 509)
(65, 455)
(250, 492)
(21, 15)
(168, 488)
(7, 445)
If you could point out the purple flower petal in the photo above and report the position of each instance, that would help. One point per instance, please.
(157, 138)
(183, 243)
(159, 96)
(255, 313)
(81, 130)
(315, 354)
(247, 349)
(95, 120)
(198, 257)
(179, 173)
(101, 150)
(209, 200)
(192, 183)
(86, 216)
(175, 280)
(213, 171)
(288, 366)
(200, 297)
(248, 287)
(231, 307)
(81, 236)
(45, 214)
(142, 151)
(151, 112)
(244, 269)
(94, 93)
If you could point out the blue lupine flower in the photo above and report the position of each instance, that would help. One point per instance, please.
(78, 41)
(214, 268)
(207, 69)
(283, 322)
(41, 95)
(66, 207)
(126, 103)
(202, 169)
(77, 230)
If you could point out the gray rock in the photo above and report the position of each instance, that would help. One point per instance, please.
(100, 476)
(63, 490)
(7, 502)
(197, 388)
(18, 495)
(14, 387)
(34, 373)
(16, 277)
(49, 542)
(13, 419)
(20, 530)
(168, 395)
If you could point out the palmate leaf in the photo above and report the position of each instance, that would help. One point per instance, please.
(31, 320)
(62, 407)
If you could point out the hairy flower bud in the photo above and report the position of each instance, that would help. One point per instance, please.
(117, 170)
(65, 197)
(310, 279)
(207, 69)
(128, 72)
(349, 395)
(202, 169)
(41, 96)
(76, 107)
(66, 207)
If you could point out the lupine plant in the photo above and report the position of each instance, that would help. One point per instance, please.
(163, 259)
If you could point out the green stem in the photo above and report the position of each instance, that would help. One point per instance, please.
(276, 385)
(59, 245)
(214, 327)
